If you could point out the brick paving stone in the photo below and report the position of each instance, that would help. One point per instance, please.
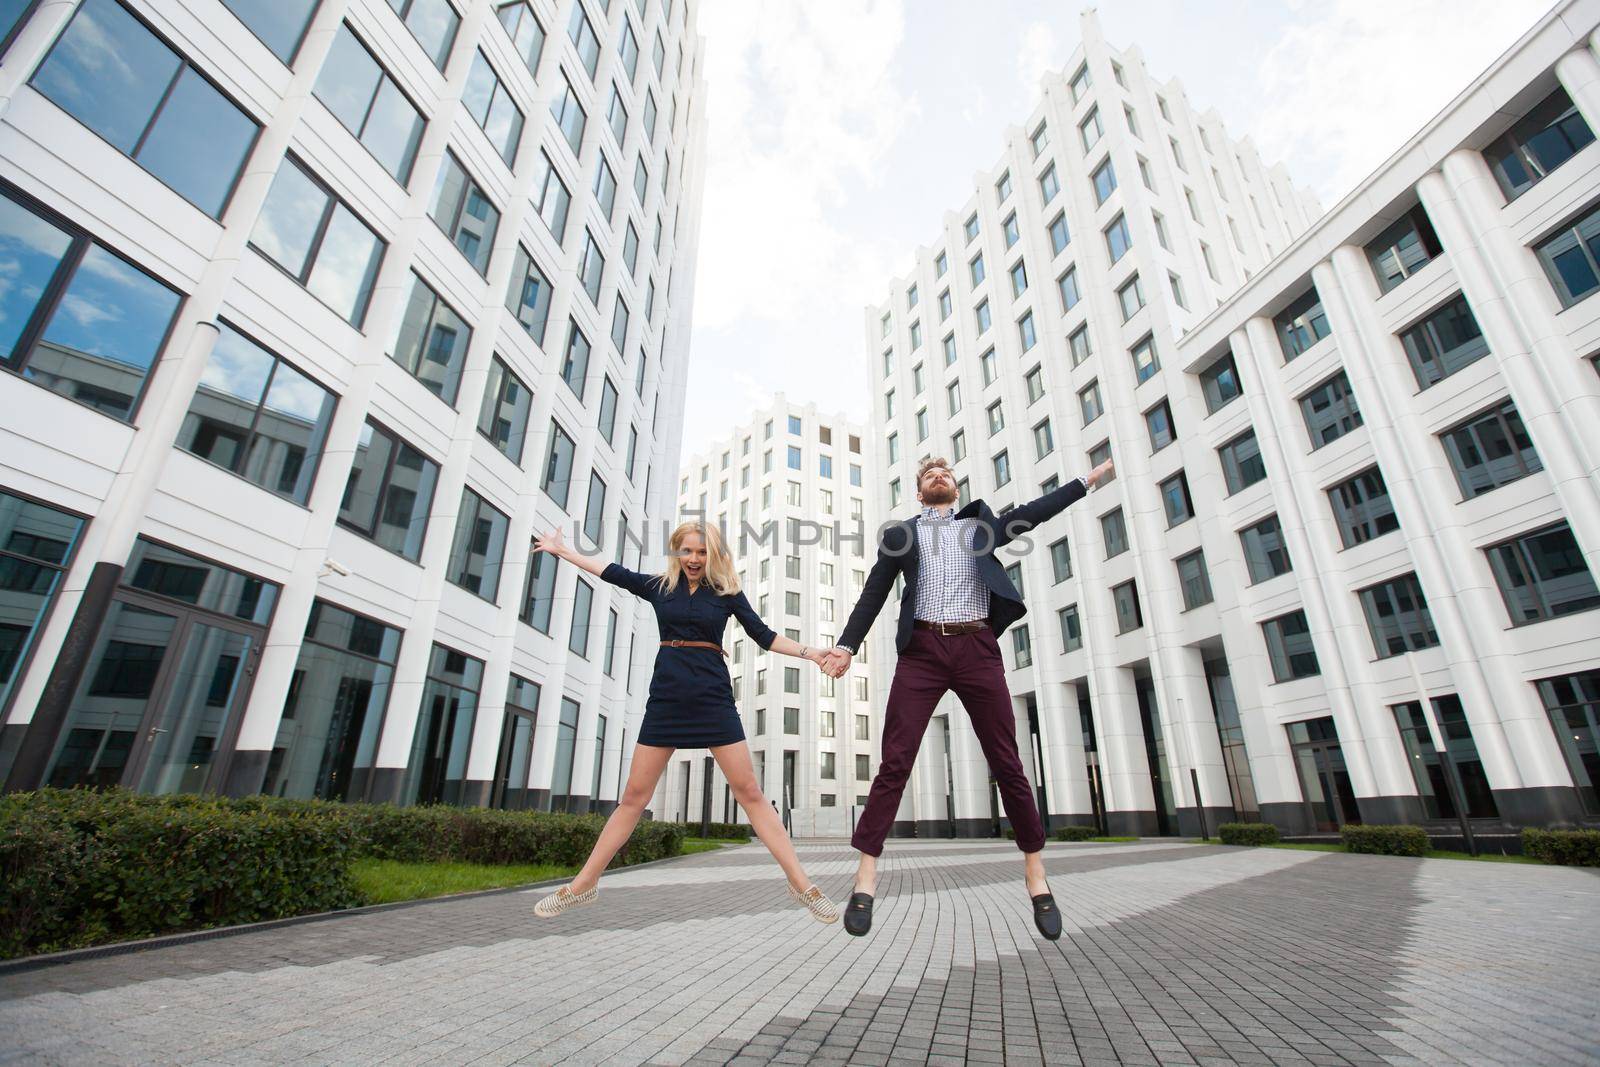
(1173, 953)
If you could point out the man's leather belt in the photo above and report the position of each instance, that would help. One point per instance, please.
(694, 644)
(950, 629)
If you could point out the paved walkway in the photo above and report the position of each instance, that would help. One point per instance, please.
(1173, 953)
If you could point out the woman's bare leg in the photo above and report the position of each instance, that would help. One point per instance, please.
(648, 763)
(734, 760)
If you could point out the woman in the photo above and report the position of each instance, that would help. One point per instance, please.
(691, 701)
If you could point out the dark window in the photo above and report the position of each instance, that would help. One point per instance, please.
(551, 197)
(582, 607)
(1428, 769)
(1158, 421)
(503, 418)
(479, 547)
(1175, 499)
(575, 366)
(1490, 450)
(436, 771)
(1361, 508)
(433, 341)
(1126, 599)
(1444, 342)
(1330, 411)
(1061, 560)
(528, 297)
(53, 271)
(1301, 325)
(1220, 383)
(539, 592)
(1537, 144)
(1114, 531)
(1398, 617)
(371, 105)
(1571, 258)
(1193, 579)
(258, 417)
(109, 71)
(1071, 628)
(557, 478)
(389, 492)
(1403, 249)
(1265, 554)
(1289, 647)
(320, 242)
(1573, 704)
(1542, 575)
(1241, 462)
(35, 543)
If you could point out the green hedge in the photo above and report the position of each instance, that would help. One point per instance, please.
(81, 867)
(1572, 848)
(1248, 833)
(1385, 840)
(1075, 833)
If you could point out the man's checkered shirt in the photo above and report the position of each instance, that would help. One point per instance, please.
(948, 587)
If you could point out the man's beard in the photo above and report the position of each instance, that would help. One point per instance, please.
(939, 496)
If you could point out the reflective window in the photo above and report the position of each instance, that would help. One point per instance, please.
(1067, 287)
(1289, 647)
(1117, 239)
(594, 511)
(319, 241)
(465, 214)
(479, 548)
(258, 416)
(370, 104)
(1060, 236)
(1397, 616)
(592, 268)
(1130, 297)
(36, 544)
(584, 39)
(1241, 462)
(1301, 324)
(436, 770)
(607, 424)
(1194, 580)
(1573, 704)
(517, 17)
(1114, 532)
(628, 49)
(278, 24)
(148, 102)
(1105, 181)
(539, 592)
(503, 419)
(1438, 799)
(1539, 142)
(1444, 342)
(575, 365)
(433, 23)
(1361, 508)
(1125, 599)
(489, 103)
(557, 478)
(551, 198)
(1145, 363)
(1175, 499)
(1403, 249)
(1049, 184)
(1220, 383)
(75, 318)
(650, 120)
(1265, 553)
(570, 117)
(605, 188)
(1089, 402)
(1158, 423)
(327, 740)
(528, 297)
(389, 492)
(1542, 575)
(1490, 450)
(1571, 259)
(1330, 411)
(433, 341)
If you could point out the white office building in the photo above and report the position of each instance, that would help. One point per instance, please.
(791, 489)
(1344, 571)
(317, 312)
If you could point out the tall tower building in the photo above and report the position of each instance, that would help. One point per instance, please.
(790, 489)
(1342, 572)
(319, 311)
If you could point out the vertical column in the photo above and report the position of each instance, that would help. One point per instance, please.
(1061, 742)
(1124, 764)
(970, 771)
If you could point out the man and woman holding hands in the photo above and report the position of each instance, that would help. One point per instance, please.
(957, 600)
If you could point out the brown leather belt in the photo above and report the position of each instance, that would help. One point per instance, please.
(694, 644)
(950, 629)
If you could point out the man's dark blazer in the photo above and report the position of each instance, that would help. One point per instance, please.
(897, 553)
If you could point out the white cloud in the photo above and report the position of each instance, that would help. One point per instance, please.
(802, 109)
(1352, 80)
(1041, 52)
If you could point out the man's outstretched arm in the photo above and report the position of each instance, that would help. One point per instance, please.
(1024, 517)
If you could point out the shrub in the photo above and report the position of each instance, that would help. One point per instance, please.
(81, 867)
(1075, 833)
(1248, 833)
(1385, 840)
(723, 831)
(1572, 848)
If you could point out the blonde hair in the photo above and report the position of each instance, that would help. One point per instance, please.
(719, 573)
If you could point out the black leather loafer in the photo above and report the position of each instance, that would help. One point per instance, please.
(1046, 916)
(858, 914)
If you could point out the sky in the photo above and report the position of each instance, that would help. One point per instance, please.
(839, 132)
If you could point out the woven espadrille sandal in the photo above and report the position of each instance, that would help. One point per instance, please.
(563, 899)
(817, 903)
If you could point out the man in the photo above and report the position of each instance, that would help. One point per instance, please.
(957, 601)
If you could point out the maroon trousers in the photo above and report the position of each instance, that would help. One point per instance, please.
(970, 666)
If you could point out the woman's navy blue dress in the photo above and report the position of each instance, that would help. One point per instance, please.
(691, 696)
